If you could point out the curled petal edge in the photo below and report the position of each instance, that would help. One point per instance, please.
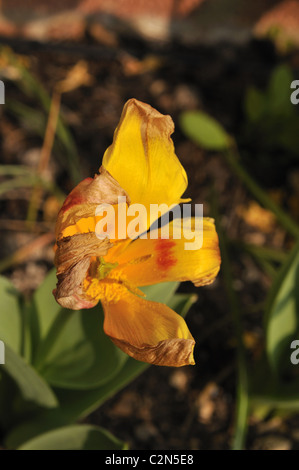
(72, 258)
(174, 352)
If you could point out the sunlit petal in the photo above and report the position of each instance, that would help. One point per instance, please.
(142, 157)
(149, 261)
(149, 331)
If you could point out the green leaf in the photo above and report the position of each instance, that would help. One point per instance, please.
(162, 292)
(255, 103)
(181, 303)
(44, 310)
(72, 350)
(278, 94)
(204, 130)
(282, 313)
(76, 353)
(32, 119)
(46, 306)
(15, 170)
(10, 316)
(81, 404)
(77, 437)
(77, 404)
(273, 393)
(32, 387)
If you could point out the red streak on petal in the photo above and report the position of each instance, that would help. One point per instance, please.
(77, 195)
(165, 258)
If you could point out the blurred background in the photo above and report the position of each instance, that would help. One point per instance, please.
(68, 68)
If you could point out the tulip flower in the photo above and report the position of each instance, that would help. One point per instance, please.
(140, 167)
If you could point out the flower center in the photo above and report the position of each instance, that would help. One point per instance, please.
(101, 285)
(107, 290)
(104, 268)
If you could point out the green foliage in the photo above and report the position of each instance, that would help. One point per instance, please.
(280, 390)
(204, 130)
(272, 121)
(32, 387)
(36, 119)
(60, 366)
(282, 314)
(76, 353)
(84, 437)
(10, 325)
(272, 381)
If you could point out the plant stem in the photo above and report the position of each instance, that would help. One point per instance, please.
(45, 155)
(264, 252)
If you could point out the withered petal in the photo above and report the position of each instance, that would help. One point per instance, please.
(171, 352)
(73, 254)
(72, 259)
(148, 331)
(86, 196)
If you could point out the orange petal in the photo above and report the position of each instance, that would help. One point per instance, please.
(149, 331)
(149, 261)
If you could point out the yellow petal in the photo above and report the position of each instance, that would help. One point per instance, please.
(149, 331)
(149, 261)
(142, 158)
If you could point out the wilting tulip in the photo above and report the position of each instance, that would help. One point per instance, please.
(140, 167)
